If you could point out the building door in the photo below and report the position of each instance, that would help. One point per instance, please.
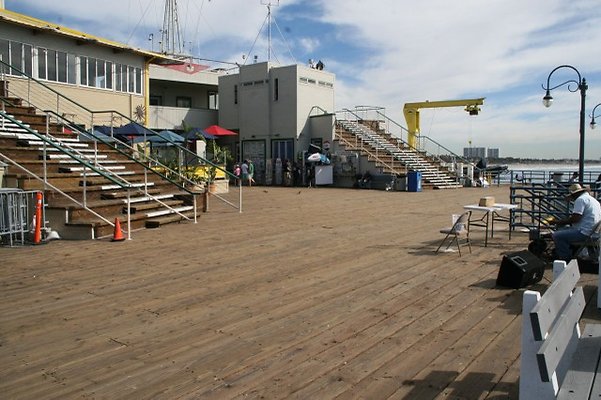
(255, 150)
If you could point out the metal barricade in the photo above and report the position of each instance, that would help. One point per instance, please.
(17, 212)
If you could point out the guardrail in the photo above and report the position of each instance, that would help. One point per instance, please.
(78, 117)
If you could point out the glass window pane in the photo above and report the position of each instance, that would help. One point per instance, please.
(118, 77)
(100, 78)
(91, 71)
(16, 56)
(124, 78)
(138, 80)
(71, 69)
(4, 55)
(42, 54)
(109, 75)
(83, 70)
(52, 65)
(62, 66)
(28, 59)
(131, 77)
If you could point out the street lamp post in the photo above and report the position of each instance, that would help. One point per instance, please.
(593, 116)
(582, 86)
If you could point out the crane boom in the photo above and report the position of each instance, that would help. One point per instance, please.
(411, 112)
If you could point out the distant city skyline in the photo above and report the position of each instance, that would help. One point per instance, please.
(404, 51)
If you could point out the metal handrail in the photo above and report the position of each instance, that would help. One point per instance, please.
(35, 176)
(48, 140)
(370, 153)
(419, 164)
(146, 167)
(427, 138)
(80, 158)
(114, 115)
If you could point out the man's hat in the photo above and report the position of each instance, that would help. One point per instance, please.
(576, 189)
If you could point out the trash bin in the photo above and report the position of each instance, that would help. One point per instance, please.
(414, 181)
(400, 183)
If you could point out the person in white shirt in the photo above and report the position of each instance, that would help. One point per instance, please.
(586, 213)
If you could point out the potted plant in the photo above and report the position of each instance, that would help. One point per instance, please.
(219, 158)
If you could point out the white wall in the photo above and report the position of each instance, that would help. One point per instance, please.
(259, 116)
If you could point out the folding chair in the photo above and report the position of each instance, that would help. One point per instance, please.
(459, 232)
(591, 244)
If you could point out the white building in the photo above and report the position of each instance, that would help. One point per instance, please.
(278, 112)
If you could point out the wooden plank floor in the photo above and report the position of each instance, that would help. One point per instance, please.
(308, 294)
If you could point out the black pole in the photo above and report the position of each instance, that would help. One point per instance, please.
(583, 88)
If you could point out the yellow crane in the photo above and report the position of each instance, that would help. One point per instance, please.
(411, 111)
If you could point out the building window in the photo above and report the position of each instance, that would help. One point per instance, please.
(276, 89)
(128, 79)
(184, 102)
(18, 55)
(235, 94)
(155, 100)
(96, 73)
(56, 66)
(213, 100)
(282, 149)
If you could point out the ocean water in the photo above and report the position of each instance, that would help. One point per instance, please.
(543, 172)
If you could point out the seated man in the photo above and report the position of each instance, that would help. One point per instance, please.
(585, 214)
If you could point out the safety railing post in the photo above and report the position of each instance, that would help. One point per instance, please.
(128, 213)
(85, 185)
(240, 197)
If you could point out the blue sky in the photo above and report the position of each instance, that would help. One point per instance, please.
(389, 52)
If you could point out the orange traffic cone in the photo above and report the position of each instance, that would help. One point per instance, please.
(118, 235)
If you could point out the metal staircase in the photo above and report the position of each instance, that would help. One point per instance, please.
(86, 188)
(392, 155)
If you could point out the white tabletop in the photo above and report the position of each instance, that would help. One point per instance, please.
(495, 207)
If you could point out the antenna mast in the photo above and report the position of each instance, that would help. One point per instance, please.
(269, 4)
(170, 35)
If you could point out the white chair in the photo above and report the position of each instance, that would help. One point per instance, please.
(459, 233)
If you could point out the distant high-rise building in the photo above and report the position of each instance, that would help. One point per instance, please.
(492, 153)
(474, 152)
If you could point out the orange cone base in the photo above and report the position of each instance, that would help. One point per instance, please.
(118, 234)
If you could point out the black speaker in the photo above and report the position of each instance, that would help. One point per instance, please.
(520, 269)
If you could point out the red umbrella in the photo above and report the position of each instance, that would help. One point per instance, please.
(216, 130)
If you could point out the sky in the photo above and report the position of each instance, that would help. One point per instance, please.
(386, 53)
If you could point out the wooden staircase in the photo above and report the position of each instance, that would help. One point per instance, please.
(391, 156)
(153, 200)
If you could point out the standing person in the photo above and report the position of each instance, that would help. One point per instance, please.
(586, 213)
(237, 172)
(573, 178)
(244, 169)
(251, 172)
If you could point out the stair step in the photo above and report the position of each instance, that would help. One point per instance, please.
(148, 198)
(68, 157)
(123, 194)
(135, 185)
(168, 211)
(152, 205)
(111, 168)
(157, 222)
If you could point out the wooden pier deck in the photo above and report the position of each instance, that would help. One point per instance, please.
(308, 294)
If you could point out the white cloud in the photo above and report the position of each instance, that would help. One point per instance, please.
(419, 50)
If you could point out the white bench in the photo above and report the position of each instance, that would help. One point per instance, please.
(557, 361)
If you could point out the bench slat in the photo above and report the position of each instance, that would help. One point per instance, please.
(548, 308)
(580, 377)
(551, 352)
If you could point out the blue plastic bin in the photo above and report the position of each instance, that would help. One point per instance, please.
(414, 181)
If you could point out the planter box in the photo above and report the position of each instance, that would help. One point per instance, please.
(220, 186)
